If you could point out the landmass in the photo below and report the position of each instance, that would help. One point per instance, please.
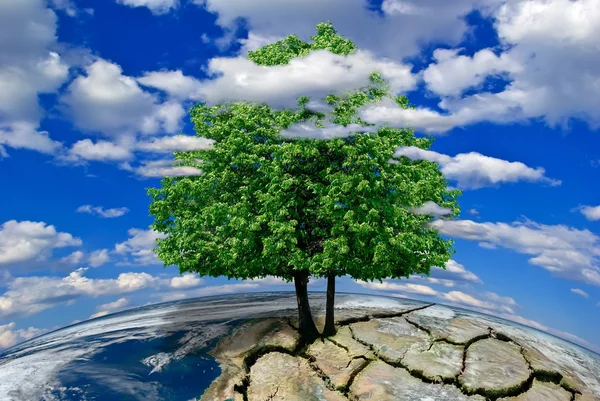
(402, 354)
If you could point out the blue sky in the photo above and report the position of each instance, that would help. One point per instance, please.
(92, 94)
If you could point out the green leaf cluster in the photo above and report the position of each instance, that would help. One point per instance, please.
(271, 205)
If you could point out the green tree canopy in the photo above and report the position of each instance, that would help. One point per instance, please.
(266, 204)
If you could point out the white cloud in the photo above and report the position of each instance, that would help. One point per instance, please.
(316, 75)
(110, 307)
(139, 247)
(207, 291)
(330, 131)
(30, 295)
(580, 292)
(411, 288)
(28, 67)
(452, 74)
(85, 150)
(562, 250)
(9, 336)
(111, 103)
(165, 168)
(156, 6)
(592, 213)
(474, 212)
(27, 241)
(100, 211)
(174, 83)
(431, 209)
(175, 143)
(186, 281)
(74, 258)
(410, 23)
(99, 257)
(473, 170)
(455, 272)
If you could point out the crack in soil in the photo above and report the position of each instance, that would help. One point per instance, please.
(490, 395)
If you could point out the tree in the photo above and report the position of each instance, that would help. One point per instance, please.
(292, 208)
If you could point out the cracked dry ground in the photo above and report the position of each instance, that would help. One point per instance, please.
(400, 355)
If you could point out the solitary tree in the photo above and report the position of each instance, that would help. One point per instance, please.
(267, 204)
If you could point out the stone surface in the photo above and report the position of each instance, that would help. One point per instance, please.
(334, 361)
(382, 382)
(542, 391)
(587, 397)
(442, 361)
(391, 337)
(344, 338)
(231, 351)
(281, 377)
(540, 363)
(494, 366)
(457, 330)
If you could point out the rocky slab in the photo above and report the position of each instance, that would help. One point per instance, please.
(458, 330)
(391, 337)
(494, 367)
(382, 382)
(334, 361)
(281, 377)
(231, 351)
(344, 338)
(542, 391)
(441, 361)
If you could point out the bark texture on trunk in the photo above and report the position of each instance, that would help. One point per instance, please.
(306, 324)
(329, 329)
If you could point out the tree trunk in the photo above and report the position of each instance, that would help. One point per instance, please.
(329, 329)
(306, 325)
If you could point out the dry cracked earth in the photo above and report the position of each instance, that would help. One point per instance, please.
(400, 355)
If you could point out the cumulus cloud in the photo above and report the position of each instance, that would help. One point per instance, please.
(454, 272)
(452, 74)
(330, 131)
(493, 302)
(99, 257)
(157, 7)
(9, 336)
(169, 144)
(567, 252)
(137, 249)
(110, 307)
(431, 209)
(29, 295)
(474, 170)
(27, 241)
(592, 213)
(28, 67)
(100, 211)
(164, 168)
(186, 281)
(315, 75)
(111, 103)
(580, 292)
(85, 150)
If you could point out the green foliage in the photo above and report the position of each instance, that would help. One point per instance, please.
(269, 205)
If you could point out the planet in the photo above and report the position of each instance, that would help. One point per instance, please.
(239, 347)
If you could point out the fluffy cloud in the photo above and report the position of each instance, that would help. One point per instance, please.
(454, 272)
(156, 6)
(85, 149)
(164, 168)
(537, 54)
(592, 213)
(431, 209)
(473, 170)
(9, 336)
(410, 23)
(564, 251)
(99, 257)
(139, 247)
(452, 74)
(30, 295)
(316, 75)
(186, 281)
(494, 302)
(111, 103)
(28, 67)
(580, 292)
(100, 211)
(110, 307)
(27, 241)
(169, 144)
(94, 259)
